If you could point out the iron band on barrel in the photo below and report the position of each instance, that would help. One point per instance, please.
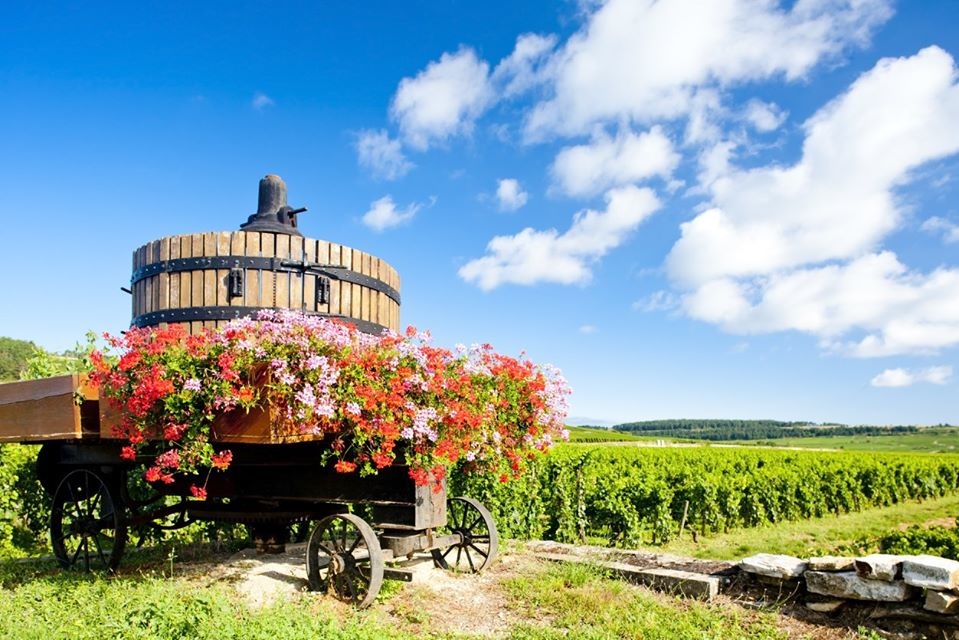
(286, 265)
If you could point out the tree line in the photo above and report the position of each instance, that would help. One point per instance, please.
(716, 429)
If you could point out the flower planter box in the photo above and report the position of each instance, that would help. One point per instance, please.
(47, 409)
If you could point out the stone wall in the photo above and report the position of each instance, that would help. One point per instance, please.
(924, 588)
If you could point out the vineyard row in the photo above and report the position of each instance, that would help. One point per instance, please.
(627, 495)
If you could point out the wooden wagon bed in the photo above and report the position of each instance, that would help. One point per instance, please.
(69, 408)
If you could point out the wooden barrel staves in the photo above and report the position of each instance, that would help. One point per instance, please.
(203, 280)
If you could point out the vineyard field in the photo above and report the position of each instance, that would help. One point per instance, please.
(626, 496)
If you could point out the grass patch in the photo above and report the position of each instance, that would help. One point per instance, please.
(927, 440)
(576, 601)
(594, 434)
(830, 534)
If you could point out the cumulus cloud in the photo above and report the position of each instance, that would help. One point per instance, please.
(383, 214)
(261, 101)
(907, 378)
(764, 116)
(381, 155)
(533, 256)
(443, 100)
(525, 67)
(639, 60)
(510, 194)
(797, 247)
(949, 230)
(605, 162)
(837, 202)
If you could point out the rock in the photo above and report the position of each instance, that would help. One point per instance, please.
(831, 563)
(931, 572)
(939, 602)
(774, 566)
(825, 606)
(848, 585)
(879, 566)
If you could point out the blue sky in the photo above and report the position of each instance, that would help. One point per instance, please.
(725, 209)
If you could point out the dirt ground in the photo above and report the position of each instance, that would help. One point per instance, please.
(477, 605)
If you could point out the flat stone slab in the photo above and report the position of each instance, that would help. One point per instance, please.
(939, 602)
(831, 563)
(879, 566)
(773, 565)
(684, 583)
(850, 586)
(931, 572)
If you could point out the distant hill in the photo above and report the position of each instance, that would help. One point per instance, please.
(717, 429)
(13, 357)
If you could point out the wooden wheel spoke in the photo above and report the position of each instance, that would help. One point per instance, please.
(355, 564)
(96, 541)
(478, 519)
(477, 537)
(85, 523)
(356, 543)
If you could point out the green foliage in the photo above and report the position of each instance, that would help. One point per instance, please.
(13, 357)
(753, 429)
(935, 541)
(45, 364)
(24, 512)
(628, 495)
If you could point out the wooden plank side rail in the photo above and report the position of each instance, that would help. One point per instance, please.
(47, 409)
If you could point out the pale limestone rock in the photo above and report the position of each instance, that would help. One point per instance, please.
(931, 572)
(831, 563)
(771, 565)
(826, 606)
(879, 566)
(853, 587)
(939, 602)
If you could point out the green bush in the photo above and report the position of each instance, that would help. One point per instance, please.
(934, 541)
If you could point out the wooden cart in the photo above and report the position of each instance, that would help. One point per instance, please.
(201, 281)
(275, 480)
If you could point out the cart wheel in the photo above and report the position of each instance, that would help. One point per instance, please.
(343, 556)
(86, 525)
(479, 542)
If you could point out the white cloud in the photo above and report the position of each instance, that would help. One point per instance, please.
(899, 311)
(637, 60)
(532, 256)
(383, 214)
(588, 329)
(524, 68)
(764, 116)
(795, 248)
(949, 230)
(657, 301)
(380, 154)
(443, 100)
(261, 101)
(837, 202)
(510, 194)
(605, 162)
(907, 378)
